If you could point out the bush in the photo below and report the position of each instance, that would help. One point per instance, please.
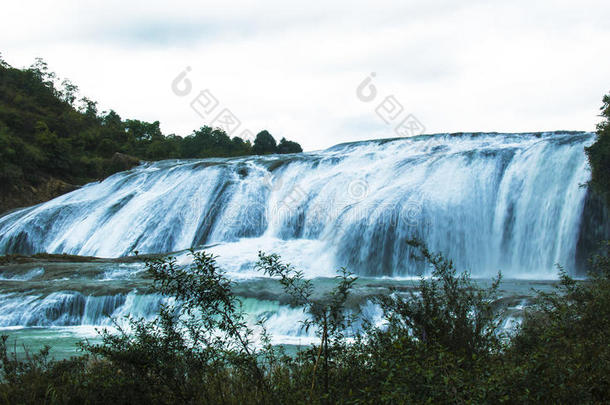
(439, 345)
(562, 352)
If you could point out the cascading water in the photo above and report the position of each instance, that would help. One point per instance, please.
(33, 299)
(73, 308)
(510, 202)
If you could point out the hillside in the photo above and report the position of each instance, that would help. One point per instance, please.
(52, 140)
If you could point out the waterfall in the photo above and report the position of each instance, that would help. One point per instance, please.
(510, 202)
(70, 308)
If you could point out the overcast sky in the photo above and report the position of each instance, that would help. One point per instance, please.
(294, 67)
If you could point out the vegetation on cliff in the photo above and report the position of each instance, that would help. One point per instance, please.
(48, 132)
(599, 154)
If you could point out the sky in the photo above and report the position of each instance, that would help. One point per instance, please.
(327, 72)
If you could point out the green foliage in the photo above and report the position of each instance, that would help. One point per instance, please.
(286, 146)
(264, 144)
(209, 142)
(562, 353)
(200, 349)
(440, 344)
(191, 341)
(448, 310)
(599, 153)
(46, 130)
(328, 317)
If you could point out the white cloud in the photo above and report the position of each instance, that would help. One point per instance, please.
(293, 69)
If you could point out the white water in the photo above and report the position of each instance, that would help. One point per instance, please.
(34, 273)
(68, 308)
(509, 202)
(69, 311)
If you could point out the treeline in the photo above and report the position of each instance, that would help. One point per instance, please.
(47, 130)
(442, 344)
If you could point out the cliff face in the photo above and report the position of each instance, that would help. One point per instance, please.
(24, 195)
(594, 228)
(46, 188)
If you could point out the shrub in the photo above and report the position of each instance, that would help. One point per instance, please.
(440, 344)
(562, 352)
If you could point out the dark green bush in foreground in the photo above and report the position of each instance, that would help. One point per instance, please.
(439, 345)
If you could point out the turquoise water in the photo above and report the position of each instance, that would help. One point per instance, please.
(61, 304)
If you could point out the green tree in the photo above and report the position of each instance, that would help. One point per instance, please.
(264, 144)
(448, 309)
(599, 153)
(69, 91)
(41, 71)
(328, 316)
(3, 62)
(286, 146)
(107, 147)
(241, 147)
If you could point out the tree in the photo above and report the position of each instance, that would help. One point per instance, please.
(599, 153)
(112, 120)
(70, 91)
(40, 68)
(264, 144)
(286, 146)
(191, 341)
(3, 62)
(143, 131)
(448, 310)
(107, 147)
(241, 147)
(329, 317)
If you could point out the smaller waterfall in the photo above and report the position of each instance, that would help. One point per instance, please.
(69, 308)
